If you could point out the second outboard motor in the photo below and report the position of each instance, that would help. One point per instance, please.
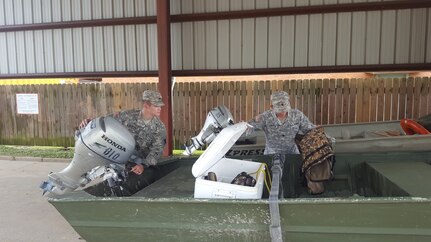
(217, 119)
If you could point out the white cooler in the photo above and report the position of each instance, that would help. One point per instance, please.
(226, 169)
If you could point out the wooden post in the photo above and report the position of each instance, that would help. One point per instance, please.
(165, 72)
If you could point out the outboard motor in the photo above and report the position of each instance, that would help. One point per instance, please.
(217, 119)
(104, 143)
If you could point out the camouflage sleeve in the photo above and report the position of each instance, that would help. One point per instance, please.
(256, 122)
(156, 149)
(118, 116)
(305, 124)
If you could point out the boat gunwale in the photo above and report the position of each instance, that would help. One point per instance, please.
(317, 200)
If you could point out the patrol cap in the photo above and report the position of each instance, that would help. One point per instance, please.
(155, 98)
(280, 102)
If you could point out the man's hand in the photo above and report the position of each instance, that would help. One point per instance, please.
(84, 123)
(138, 169)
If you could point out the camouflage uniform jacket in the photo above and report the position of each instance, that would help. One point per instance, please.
(280, 135)
(150, 138)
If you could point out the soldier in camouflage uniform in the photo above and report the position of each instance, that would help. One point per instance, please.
(149, 133)
(148, 130)
(281, 124)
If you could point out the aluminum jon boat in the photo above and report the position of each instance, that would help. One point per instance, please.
(350, 138)
(374, 197)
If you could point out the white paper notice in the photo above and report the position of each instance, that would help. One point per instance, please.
(27, 103)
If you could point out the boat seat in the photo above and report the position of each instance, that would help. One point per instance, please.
(177, 184)
(400, 178)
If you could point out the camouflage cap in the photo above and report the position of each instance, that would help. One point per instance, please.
(155, 98)
(280, 102)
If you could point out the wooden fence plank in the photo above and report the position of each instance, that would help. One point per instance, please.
(216, 94)
(261, 96)
(249, 107)
(338, 101)
(200, 119)
(61, 119)
(312, 101)
(403, 97)
(359, 100)
(267, 93)
(416, 96)
(305, 97)
(352, 101)
(332, 101)
(346, 100)
(52, 98)
(423, 110)
(395, 99)
(3, 106)
(187, 109)
(319, 96)
(373, 100)
(380, 99)
(237, 111)
(388, 99)
(232, 92)
(192, 109)
(10, 114)
(201, 99)
(255, 100)
(325, 102)
(220, 97)
(243, 107)
(18, 120)
(299, 95)
(366, 101)
(174, 115)
(293, 94)
(409, 99)
(181, 114)
(226, 94)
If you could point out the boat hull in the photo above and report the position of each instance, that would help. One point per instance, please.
(372, 198)
(114, 219)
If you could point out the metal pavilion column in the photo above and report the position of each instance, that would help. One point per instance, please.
(165, 72)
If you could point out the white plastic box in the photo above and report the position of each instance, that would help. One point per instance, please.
(226, 169)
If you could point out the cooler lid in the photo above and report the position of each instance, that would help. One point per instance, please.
(218, 148)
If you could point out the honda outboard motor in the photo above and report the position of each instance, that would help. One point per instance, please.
(217, 119)
(103, 142)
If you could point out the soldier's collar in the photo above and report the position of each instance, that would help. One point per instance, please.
(141, 117)
(280, 121)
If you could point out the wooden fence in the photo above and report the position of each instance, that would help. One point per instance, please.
(328, 101)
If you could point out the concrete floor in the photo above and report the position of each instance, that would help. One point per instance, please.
(25, 214)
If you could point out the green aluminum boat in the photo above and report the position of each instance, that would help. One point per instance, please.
(382, 196)
(376, 195)
(369, 137)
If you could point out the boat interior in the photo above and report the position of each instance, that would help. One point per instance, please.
(342, 132)
(355, 175)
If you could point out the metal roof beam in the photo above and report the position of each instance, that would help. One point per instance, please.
(303, 10)
(231, 72)
(270, 12)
